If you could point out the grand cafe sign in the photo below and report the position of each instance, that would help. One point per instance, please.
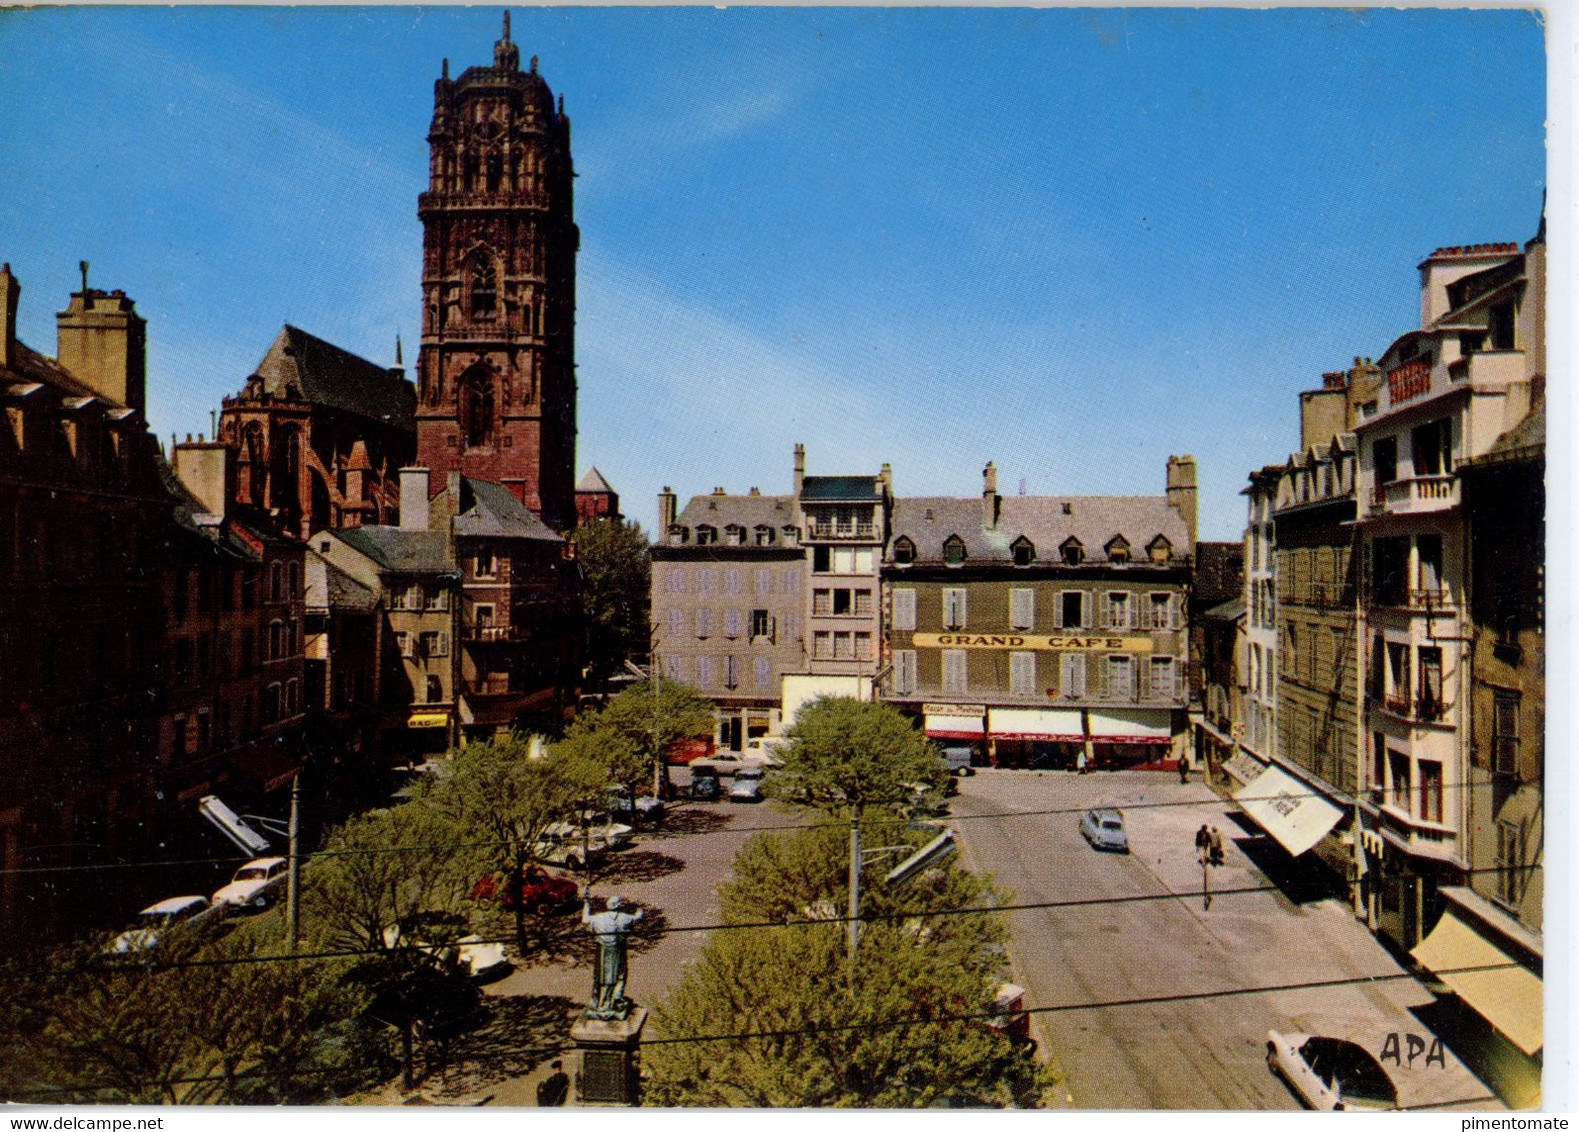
(1030, 641)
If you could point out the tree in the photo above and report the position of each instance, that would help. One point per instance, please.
(636, 728)
(913, 1033)
(844, 755)
(616, 598)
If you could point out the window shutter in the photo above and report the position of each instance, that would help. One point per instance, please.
(905, 610)
(1022, 673)
(444, 644)
(1022, 608)
(904, 671)
(731, 623)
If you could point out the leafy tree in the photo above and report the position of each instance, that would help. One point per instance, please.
(910, 1033)
(639, 725)
(616, 595)
(844, 755)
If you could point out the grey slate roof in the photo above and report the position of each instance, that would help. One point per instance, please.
(495, 513)
(345, 592)
(1092, 519)
(593, 481)
(324, 374)
(746, 510)
(404, 552)
(824, 489)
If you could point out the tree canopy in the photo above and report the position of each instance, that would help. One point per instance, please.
(615, 590)
(844, 755)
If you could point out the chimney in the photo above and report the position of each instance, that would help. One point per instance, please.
(10, 294)
(886, 478)
(1181, 491)
(666, 512)
(101, 340)
(800, 468)
(414, 512)
(989, 497)
(208, 471)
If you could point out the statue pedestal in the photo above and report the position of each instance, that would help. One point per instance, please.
(607, 1052)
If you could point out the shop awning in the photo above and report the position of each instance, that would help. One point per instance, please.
(1288, 809)
(949, 726)
(1501, 990)
(1243, 769)
(1048, 725)
(1116, 725)
(228, 822)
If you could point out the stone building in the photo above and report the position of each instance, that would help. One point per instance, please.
(496, 374)
(595, 499)
(1215, 614)
(1041, 628)
(319, 436)
(82, 514)
(729, 600)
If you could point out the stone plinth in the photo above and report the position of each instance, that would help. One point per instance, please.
(607, 1072)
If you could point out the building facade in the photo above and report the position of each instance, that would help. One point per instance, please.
(1045, 631)
(496, 374)
(595, 499)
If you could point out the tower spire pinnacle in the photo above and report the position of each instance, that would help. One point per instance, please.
(507, 25)
(399, 362)
(506, 55)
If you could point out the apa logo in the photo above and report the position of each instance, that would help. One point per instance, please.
(1394, 1048)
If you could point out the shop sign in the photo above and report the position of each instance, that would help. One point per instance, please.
(954, 709)
(1030, 641)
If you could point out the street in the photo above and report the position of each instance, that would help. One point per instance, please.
(1198, 1052)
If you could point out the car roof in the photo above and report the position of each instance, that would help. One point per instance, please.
(266, 862)
(173, 904)
(1107, 812)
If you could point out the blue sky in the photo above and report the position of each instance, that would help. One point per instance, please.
(1071, 242)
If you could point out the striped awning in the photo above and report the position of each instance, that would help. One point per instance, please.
(1117, 725)
(1048, 725)
(1501, 990)
(951, 726)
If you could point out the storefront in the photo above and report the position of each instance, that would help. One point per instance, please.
(1135, 738)
(957, 725)
(1044, 738)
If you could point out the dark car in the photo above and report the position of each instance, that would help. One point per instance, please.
(704, 784)
(538, 889)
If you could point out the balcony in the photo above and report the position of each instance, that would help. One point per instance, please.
(1418, 836)
(842, 532)
(1415, 496)
(1426, 709)
(1488, 367)
(1408, 381)
(491, 634)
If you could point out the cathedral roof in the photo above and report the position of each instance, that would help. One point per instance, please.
(301, 366)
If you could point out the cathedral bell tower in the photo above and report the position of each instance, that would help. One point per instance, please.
(496, 379)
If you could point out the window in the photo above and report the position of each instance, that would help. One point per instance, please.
(403, 644)
(249, 591)
(734, 535)
(1431, 448)
(674, 667)
(484, 565)
(1118, 549)
(843, 602)
(842, 560)
(706, 535)
(843, 645)
(1120, 677)
(1378, 763)
(954, 609)
(183, 660)
(435, 690)
(764, 535)
(1024, 551)
(821, 602)
(1390, 570)
(674, 623)
(863, 603)
(1501, 325)
(1428, 551)
(731, 672)
(433, 596)
(1384, 458)
(706, 671)
(205, 591)
(904, 552)
(271, 704)
(484, 286)
(276, 640)
(704, 623)
(1022, 673)
(1161, 611)
(1072, 609)
(955, 680)
(822, 645)
(1072, 674)
(732, 620)
(954, 551)
(1398, 770)
(706, 580)
(435, 644)
(1512, 852)
(295, 574)
(1505, 733)
(1430, 790)
(761, 672)
(1022, 608)
(1072, 552)
(676, 576)
(1430, 664)
(731, 581)
(763, 582)
(863, 646)
(276, 581)
(1162, 683)
(904, 610)
(904, 671)
(1160, 550)
(1117, 610)
(249, 652)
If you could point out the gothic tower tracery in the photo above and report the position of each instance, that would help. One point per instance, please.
(496, 373)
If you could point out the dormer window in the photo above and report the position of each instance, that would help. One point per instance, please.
(764, 535)
(1073, 553)
(734, 535)
(706, 535)
(904, 552)
(679, 534)
(791, 534)
(1160, 550)
(954, 551)
(1117, 549)
(1024, 551)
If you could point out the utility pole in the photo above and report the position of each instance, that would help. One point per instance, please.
(293, 904)
(854, 930)
(657, 689)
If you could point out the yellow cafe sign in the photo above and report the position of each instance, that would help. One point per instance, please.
(1093, 643)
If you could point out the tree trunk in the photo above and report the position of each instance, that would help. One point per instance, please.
(520, 902)
(405, 1054)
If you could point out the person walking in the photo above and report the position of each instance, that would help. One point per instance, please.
(553, 1089)
(1184, 770)
(1216, 846)
(1080, 762)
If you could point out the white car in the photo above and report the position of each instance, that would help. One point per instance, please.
(152, 922)
(728, 762)
(475, 957)
(572, 846)
(256, 883)
(1330, 1074)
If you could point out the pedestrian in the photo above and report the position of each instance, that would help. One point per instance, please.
(1080, 762)
(553, 1089)
(1184, 770)
(1203, 843)
(1217, 846)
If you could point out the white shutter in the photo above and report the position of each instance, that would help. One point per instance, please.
(954, 609)
(905, 610)
(1022, 673)
(904, 671)
(1072, 679)
(704, 622)
(1022, 608)
(731, 623)
(444, 644)
(955, 673)
(764, 582)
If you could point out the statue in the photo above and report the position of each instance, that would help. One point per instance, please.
(610, 928)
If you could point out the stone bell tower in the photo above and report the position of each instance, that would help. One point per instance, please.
(496, 379)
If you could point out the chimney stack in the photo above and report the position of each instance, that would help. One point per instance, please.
(1181, 491)
(666, 512)
(101, 340)
(800, 468)
(414, 511)
(989, 497)
(207, 470)
(10, 294)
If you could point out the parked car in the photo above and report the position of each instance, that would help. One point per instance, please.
(469, 954)
(156, 920)
(644, 809)
(257, 883)
(927, 800)
(704, 784)
(747, 786)
(1330, 1074)
(1104, 829)
(729, 762)
(958, 760)
(572, 845)
(537, 889)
